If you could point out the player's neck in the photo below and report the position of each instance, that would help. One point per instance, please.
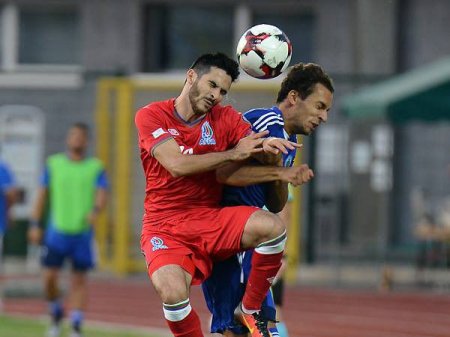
(76, 155)
(184, 109)
(286, 118)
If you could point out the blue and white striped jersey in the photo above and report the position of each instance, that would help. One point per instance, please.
(261, 120)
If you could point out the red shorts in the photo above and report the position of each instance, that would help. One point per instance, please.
(195, 239)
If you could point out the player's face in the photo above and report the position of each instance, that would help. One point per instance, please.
(77, 140)
(313, 110)
(208, 90)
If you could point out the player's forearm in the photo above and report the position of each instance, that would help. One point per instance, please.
(186, 165)
(101, 198)
(38, 209)
(276, 196)
(266, 158)
(238, 175)
(12, 196)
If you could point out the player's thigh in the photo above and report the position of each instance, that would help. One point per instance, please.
(83, 253)
(261, 226)
(51, 258)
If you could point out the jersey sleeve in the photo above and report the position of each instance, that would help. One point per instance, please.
(45, 177)
(102, 180)
(262, 120)
(7, 179)
(150, 128)
(239, 127)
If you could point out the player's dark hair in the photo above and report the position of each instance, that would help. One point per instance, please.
(302, 78)
(81, 126)
(203, 64)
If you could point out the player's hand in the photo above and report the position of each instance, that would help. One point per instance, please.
(92, 218)
(276, 145)
(248, 146)
(34, 235)
(298, 175)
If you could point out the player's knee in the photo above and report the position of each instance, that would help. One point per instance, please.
(275, 226)
(172, 293)
(173, 296)
(171, 283)
(262, 227)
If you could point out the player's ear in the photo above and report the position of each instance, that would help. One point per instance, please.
(293, 96)
(191, 76)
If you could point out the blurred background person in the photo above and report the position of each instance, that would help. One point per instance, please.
(75, 187)
(8, 196)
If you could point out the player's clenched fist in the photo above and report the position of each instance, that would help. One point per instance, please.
(298, 175)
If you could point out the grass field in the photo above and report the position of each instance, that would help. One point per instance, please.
(26, 327)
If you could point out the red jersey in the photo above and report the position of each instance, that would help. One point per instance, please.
(219, 130)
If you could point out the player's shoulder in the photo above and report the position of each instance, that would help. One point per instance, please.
(96, 162)
(57, 157)
(3, 165)
(158, 108)
(224, 111)
(260, 118)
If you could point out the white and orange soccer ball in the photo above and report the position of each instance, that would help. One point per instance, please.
(264, 51)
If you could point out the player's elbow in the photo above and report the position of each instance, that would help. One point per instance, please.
(176, 169)
(227, 179)
(274, 208)
(176, 172)
(276, 204)
(221, 177)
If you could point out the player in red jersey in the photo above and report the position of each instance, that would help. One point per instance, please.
(182, 141)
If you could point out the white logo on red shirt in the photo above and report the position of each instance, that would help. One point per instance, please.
(187, 151)
(173, 132)
(158, 133)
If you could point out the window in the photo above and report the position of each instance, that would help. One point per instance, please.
(49, 36)
(299, 27)
(37, 36)
(175, 35)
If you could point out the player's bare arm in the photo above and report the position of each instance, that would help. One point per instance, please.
(178, 164)
(101, 198)
(276, 195)
(277, 191)
(239, 174)
(34, 232)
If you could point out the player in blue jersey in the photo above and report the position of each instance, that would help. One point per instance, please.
(303, 102)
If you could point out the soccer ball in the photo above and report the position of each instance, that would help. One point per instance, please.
(264, 51)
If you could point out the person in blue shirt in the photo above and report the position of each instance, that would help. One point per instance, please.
(303, 103)
(8, 196)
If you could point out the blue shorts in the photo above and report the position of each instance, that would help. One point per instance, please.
(78, 248)
(224, 290)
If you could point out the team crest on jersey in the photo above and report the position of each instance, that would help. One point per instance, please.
(173, 132)
(157, 243)
(207, 135)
